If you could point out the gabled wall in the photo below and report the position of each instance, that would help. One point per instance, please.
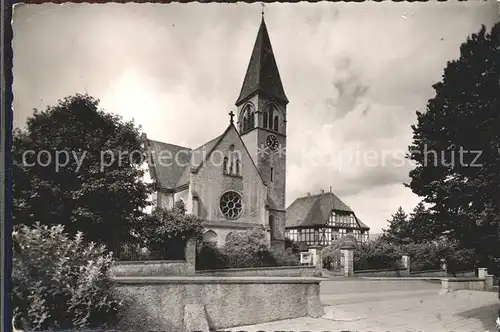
(210, 183)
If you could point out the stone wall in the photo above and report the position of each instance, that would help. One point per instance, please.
(202, 303)
(151, 268)
(441, 273)
(278, 271)
(382, 273)
(428, 273)
(158, 268)
(453, 284)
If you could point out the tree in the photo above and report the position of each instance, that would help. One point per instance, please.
(166, 231)
(456, 147)
(421, 225)
(78, 166)
(398, 231)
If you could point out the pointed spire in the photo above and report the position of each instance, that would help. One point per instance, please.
(262, 73)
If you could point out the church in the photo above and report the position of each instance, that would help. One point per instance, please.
(235, 181)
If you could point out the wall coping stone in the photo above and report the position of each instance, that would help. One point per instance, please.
(381, 270)
(429, 271)
(216, 280)
(148, 262)
(298, 267)
(401, 278)
(458, 279)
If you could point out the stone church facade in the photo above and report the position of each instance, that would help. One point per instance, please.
(237, 180)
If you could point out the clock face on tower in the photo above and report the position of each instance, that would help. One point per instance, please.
(272, 142)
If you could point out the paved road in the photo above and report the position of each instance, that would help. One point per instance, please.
(369, 305)
(354, 290)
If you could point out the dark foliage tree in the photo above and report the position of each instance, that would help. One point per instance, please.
(79, 166)
(398, 231)
(456, 147)
(166, 231)
(421, 227)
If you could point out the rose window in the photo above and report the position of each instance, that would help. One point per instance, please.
(230, 205)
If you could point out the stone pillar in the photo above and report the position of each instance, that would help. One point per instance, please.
(488, 282)
(313, 252)
(314, 306)
(405, 263)
(190, 255)
(319, 261)
(444, 266)
(348, 260)
(482, 272)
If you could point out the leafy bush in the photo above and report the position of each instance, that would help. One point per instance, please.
(331, 256)
(376, 255)
(381, 254)
(60, 282)
(284, 257)
(165, 232)
(247, 249)
(428, 255)
(210, 257)
(244, 250)
(292, 245)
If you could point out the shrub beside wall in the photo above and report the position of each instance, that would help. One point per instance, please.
(376, 255)
(244, 250)
(60, 282)
(423, 256)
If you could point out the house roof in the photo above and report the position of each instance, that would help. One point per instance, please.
(174, 175)
(262, 73)
(171, 173)
(197, 158)
(163, 169)
(315, 210)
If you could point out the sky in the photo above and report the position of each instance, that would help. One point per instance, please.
(355, 74)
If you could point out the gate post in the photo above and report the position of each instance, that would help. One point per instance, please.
(347, 253)
(405, 263)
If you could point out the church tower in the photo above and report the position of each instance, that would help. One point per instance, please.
(262, 125)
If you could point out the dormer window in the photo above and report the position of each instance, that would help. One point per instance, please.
(331, 220)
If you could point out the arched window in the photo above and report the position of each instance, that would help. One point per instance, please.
(224, 166)
(210, 237)
(245, 123)
(272, 174)
(271, 111)
(276, 123)
(237, 167)
(271, 226)
(265, 120)
(248, 118)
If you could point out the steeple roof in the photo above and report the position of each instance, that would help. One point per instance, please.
(262, 72)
